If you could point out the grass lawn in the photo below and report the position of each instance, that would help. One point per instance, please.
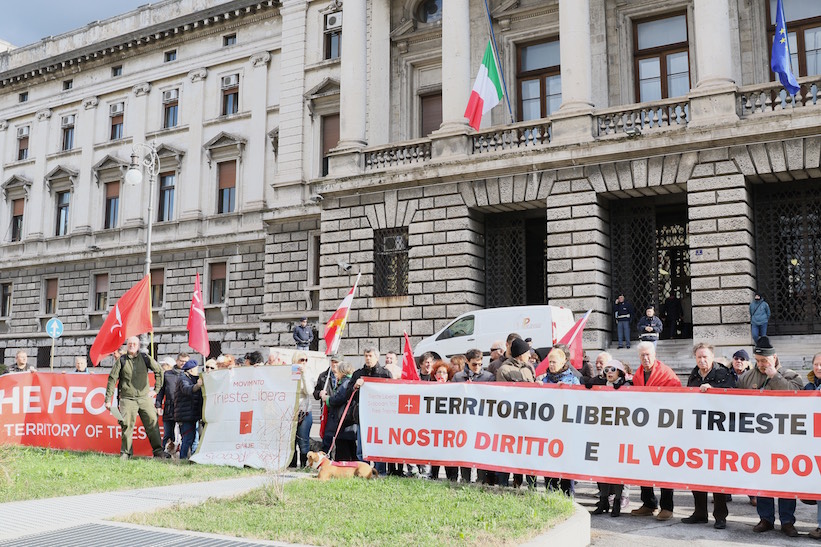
(389, 511)
(44, 473)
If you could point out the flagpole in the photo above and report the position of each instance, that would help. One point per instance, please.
(336, 343)
(498, 62)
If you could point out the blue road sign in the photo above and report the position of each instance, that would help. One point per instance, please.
(54, 328)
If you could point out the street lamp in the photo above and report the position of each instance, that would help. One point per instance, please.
(134, 177)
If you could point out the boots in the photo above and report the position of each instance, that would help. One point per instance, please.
(602, 507)
(616, 511)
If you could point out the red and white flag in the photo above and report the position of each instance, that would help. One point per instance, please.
(573, 340)
(197, 332)
(409, 371)
(130, 316)
(336, 323)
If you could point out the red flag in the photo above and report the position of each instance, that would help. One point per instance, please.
(336, 323)
(197, 333)
(572, 339)
(409, 371)
(130, 316)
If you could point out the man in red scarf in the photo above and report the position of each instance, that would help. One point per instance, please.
(654, 373)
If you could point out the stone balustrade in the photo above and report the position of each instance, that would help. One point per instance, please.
(404, 153)
(643, 117)
(770, 97)
(511, 137)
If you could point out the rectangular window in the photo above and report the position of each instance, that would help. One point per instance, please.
(227, 184)
(539, 79)
(112, 204)
(116, 71)
(216, 293)
(330, 138)
(230, 95)
(390, 269)
(157, 287)
(5, 299)
(68, 84)
(51, 296)
(803, 34)
(17, 208)
(63, 200)
(68, 133)
(229, 40)
(170, 56)
(23, 142)
(23, 97)
(662, 58)
(165, 211)
(430, 113)
(116, 126)
(333, 35)
(170, 108)
(100, 292)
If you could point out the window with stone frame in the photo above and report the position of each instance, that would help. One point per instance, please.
(662, 58)
(5, 299)
(230, 94)
(67, 141)
(165, 209)
(100, 292)
(218, 282)
(538, 79)
(23, 142)
(112, 205)
(157, 287)
(63, 201)
(390, 254)
(17, 210)
(171, 107)
(430, 109)
(117, 111)
(803, 18)
(50, 301)
(330, 138)
(333, 35)
(226, 187)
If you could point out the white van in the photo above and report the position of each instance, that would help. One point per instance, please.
(480, 328)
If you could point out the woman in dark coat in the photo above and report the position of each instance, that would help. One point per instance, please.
(188, 406)
(707, 375)
(346, 440)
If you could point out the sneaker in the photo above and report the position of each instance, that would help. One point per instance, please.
(643, 511)
(625, 502)
(665, 514)
(693, 519)
(628, 346)
(815, 534)
(789, 530)
(763, 526)
(123, 457)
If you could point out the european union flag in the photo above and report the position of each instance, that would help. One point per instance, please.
(780, 62)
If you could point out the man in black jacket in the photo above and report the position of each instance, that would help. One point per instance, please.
(371, 369)
(188, 407)
(165, 397)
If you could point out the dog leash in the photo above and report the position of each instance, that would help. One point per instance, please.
(342, 420)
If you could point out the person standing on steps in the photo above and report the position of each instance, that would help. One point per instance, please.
(623, 312)
(759, 316)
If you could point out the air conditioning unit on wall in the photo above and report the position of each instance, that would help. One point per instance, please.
(333, 21)
(117, 108)
(230, 81)
(68, 120)
(171, 95)
(22, 132)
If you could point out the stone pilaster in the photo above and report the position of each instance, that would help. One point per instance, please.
(713, 99)
(379, 73)
(573, 122)
(353, 94)
(456, 81)
(578, 255)
(721, 250)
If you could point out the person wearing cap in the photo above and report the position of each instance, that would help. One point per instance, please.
(706, 376)
(303, 334)
(164, 403)
(649, 326)
(741, 363)
(516, 368)
(130, 375)
(654, 373)
(499, 361)
(759, 316)
(529, 342)
(769, 375)
(614, 374)
(188, 407)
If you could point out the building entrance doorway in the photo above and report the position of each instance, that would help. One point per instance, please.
(515, 259)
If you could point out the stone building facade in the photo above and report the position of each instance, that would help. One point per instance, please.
(651, 154)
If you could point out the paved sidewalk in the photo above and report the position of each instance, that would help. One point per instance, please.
(80, 520)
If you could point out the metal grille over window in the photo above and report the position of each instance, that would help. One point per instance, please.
(788, 255)
(391, 262)
(505, 267)
(635, 271)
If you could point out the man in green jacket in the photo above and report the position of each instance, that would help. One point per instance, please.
(131, 370)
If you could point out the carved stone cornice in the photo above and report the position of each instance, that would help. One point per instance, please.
(273, 134)
(4, 124)
(90, 102)
(334, 6)
(141, 89)
(261, 58)
(198, 74)
(43, 114)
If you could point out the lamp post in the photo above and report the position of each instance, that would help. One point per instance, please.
(134, 177)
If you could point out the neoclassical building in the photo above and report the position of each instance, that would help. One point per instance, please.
(643, 148)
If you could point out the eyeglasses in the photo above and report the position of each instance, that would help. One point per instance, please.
(211, 368)
(610, 369)
(303, 361)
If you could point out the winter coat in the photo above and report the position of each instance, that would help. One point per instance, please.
(515, 371)
(132, 375)
(784, 380)
(660, 376)
(167, 393)
(654, 322)
(564, 377)
(376, 371)
(188, 399)
(623, 311)
(468, 375)
(718, 376)
(759, 312)
(336, 405)
(320, 383)
(815, 383)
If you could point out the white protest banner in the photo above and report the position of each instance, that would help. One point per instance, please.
(766, 444)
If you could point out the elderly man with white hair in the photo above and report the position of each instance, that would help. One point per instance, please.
(130, 375)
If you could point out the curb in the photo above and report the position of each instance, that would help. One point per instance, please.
(575, 531)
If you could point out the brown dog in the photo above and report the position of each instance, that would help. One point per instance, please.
(329, 469)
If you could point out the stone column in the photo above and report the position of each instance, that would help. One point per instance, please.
(456, 77)
(353, 88)
(573, 122)
(721, 250)
(713, 99)
(578, 253)
(190, 197)
(379, 73)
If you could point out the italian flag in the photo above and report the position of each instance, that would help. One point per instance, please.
(487, 91)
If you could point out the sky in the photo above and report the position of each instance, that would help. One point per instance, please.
(27, 21)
